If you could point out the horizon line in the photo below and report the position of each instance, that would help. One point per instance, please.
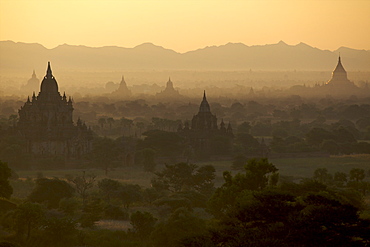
(201, 48)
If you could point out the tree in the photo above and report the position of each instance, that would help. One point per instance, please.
(69, 205)
(163, 142)
(261, 129)
(50, 191)
(357, 174)
(330, 146)
(83, 184)
(317, 135)
(149, 159)
(244, 127)
(5, 173)
(13, 119)
(342, 135)
(277, 218)
(108, 188)
(92, 212)
(142, 223)
(126, 124)
(28, 216)
(110, 121)
(181, 224)
(140, 126)
(104, 153)
(239, 162)
(362, 148)
(59, 229)
(129, 193)
(220, 145)
(248, 143)
(259, 174)
(340, 178)
(183, 177)
(322, 175)
(102, 121)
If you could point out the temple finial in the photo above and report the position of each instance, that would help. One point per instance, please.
(49, 72)
(204, 95)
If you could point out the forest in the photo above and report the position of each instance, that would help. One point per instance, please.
(294, 173)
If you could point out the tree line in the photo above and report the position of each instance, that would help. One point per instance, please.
(182, 207)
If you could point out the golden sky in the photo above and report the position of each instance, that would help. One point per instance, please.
(184, 25)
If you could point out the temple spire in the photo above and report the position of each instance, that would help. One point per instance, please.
(204, 106)
(49, 73)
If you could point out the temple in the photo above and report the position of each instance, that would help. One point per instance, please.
(204, 132)
(32, 84)
(204, 120)
(339, 76)
(169, 92)
(122, 90)
(45, 121)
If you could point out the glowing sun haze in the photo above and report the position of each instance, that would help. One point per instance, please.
(184, 25)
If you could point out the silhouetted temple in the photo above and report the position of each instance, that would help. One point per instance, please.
(204, 120)
(32, 84)
(204, 130)
(169, 92)
(339, 77)
(122, 90)
(46, 123)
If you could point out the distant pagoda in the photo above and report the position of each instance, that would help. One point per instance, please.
(32, 84)
(169, 92)
(339, 77)
(122, 90)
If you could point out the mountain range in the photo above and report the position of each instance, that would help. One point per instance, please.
(24, 57)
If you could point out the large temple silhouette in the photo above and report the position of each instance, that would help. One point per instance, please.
(45, 121)
(204, 129)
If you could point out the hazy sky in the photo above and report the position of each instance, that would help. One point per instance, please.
(184, 25)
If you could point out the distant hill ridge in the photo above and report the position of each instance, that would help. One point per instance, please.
(147, 56)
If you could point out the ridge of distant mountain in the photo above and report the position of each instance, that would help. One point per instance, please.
(147, 56)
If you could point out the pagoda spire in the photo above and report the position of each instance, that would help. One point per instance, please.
(204, 106)
(49, 73)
